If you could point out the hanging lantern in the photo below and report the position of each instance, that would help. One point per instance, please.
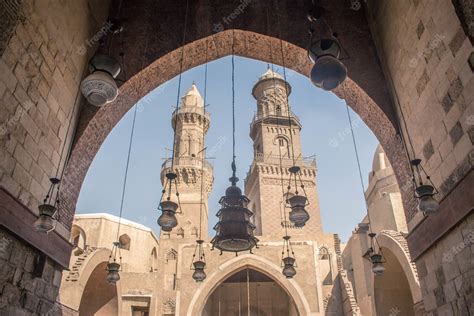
(377, 264)
(288, 259)
(100, 88)
(297, 203)
(328, 71)
(167, 220)
(199, 262)
(376, 258)
(113, 267)
(234, 230)
(46, 221)
(424, 192)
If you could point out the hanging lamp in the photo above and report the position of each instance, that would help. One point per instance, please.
(374, 254)
(169, 208)
(295, 200)
(100, 87)
(50, 208)
(324, 52)
(113, 267)
(234, 230)
(199, 262)
(424, 192)
(115, 257)
(199, 259)
(288, 258)
(48, 211)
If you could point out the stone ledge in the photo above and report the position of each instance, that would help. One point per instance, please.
(18, 219)
(455, 206)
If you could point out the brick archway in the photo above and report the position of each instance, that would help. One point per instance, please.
(247, 44)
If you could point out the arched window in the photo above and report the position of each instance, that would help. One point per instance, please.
(124, 241)
(78, 238)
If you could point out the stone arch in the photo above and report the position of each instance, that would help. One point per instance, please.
(396, 244)
(237, 264)
(246, 44)
(73, 290)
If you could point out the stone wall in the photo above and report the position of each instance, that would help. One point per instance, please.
(43, 56)
(428, 56)
(446, 272)
(41, 66)
(29, 281)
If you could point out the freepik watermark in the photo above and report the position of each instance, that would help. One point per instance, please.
(10, 123)
(217, 146)
(106, 28)
(342, 135)
(219, 27)
(435, 43)
(448, 256)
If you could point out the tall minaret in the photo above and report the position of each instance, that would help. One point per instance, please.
(190, 122)
(272, 142)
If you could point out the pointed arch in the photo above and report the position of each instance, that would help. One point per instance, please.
(262, 265)
(241, 43)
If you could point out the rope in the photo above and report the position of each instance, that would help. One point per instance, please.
(179, 83)
(126, 169)
(358, 164)
(286, 88)
(282, 207)
(233, 110)
(202, 144)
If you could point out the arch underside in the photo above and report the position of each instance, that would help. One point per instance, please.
(247, 44)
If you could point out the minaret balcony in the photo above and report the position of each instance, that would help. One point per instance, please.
(270, 118)
(186, 162)
(308, 162)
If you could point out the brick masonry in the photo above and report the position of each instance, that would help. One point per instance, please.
(40, 70)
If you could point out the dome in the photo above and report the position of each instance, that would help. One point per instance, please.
(192, 98)
(380, 161)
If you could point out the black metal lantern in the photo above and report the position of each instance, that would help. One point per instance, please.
(46, 221)
(376, 258)
(288, 259)
(424, 192)
(296, 202)
(167, 220)
(199, 262)
(113, 267)
(234, 230)
(377, 264)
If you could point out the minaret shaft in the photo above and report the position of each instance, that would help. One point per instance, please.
(191, 124)
(275, 132)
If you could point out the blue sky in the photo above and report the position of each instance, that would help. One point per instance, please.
(325, 133)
